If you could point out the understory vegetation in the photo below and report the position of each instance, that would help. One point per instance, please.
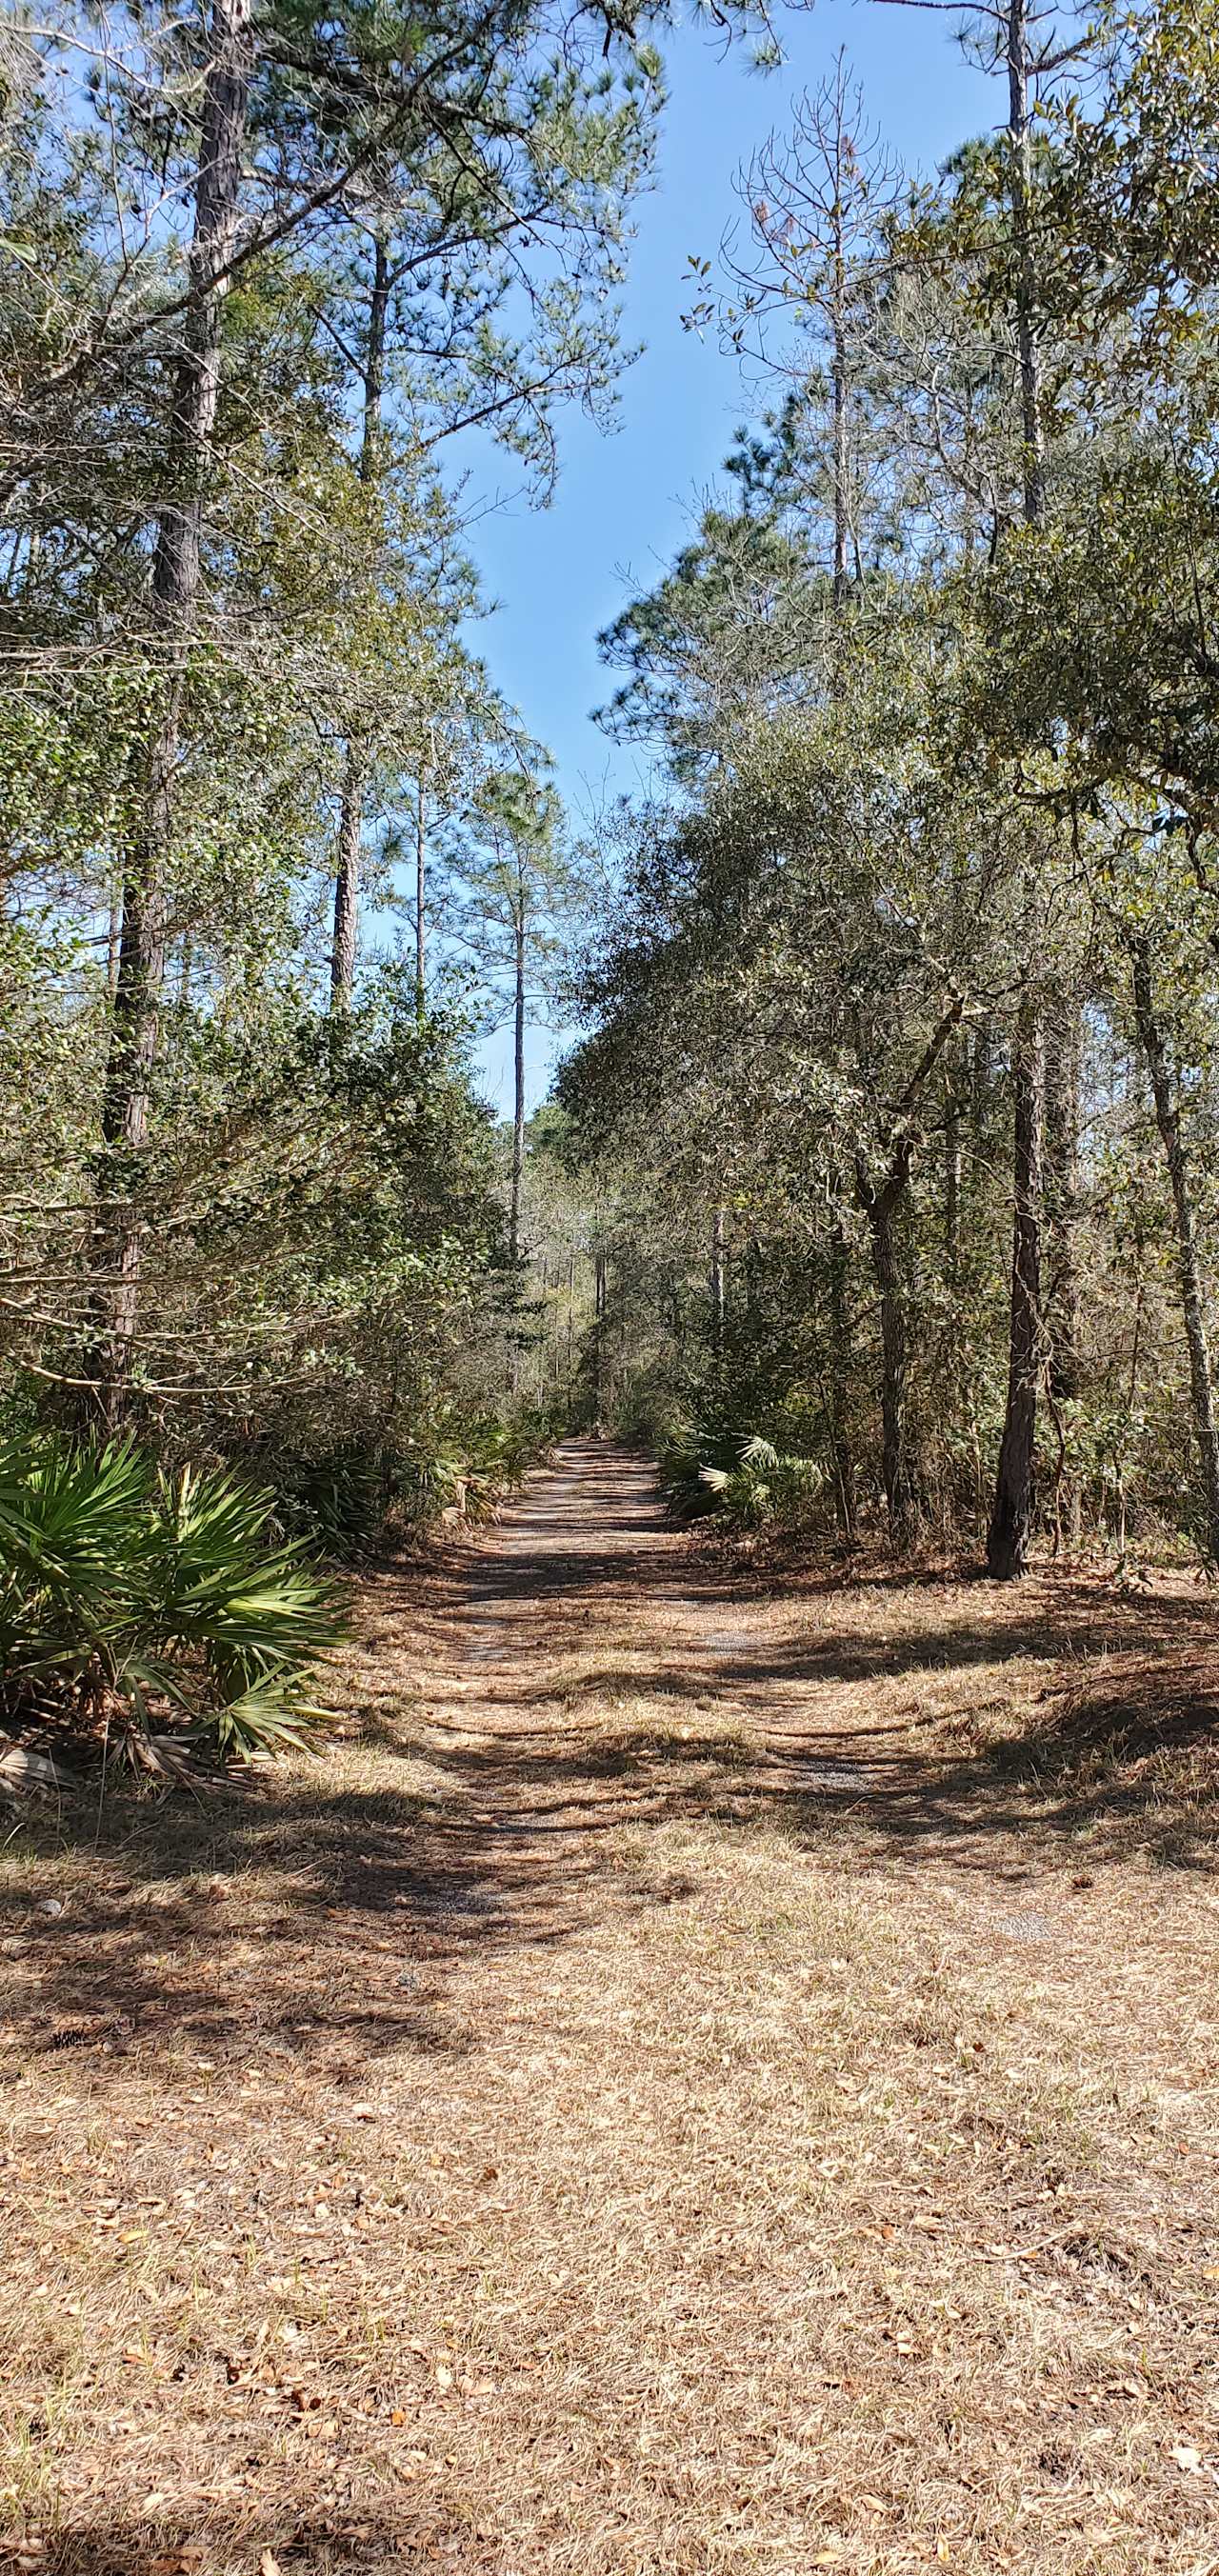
(902, 1078)
(124, 1590)
(879, 1191)
(715, 2070)
(277, 857)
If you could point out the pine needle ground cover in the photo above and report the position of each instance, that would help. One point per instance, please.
(714, 2073)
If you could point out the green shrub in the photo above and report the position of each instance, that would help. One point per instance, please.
(739, 1476)
(335, 1499)
(133, 1599)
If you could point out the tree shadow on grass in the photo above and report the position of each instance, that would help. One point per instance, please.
(325, 1923)
(309, 2543)
(314, 1922)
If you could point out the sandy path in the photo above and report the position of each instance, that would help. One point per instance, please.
(656, 2101)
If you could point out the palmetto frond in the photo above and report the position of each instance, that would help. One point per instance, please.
(155, 1591)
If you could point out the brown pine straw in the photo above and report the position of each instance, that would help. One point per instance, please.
(715, 2074)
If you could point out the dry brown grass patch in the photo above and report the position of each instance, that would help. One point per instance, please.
(670, 2096)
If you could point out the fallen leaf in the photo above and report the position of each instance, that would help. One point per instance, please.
(268, 2564)
(1186, 2457)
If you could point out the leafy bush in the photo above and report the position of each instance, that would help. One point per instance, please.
(134, 1599)
(738, 1475)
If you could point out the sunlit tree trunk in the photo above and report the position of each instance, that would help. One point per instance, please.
(840, 1383)
(351, 810)
(518, 1068)
(1012, 1515)
(140, 974)
(881, 1208)
(719, 1266)
(421, 895)
(1062, 1075)
(1007, 1546)
(1189, 1268)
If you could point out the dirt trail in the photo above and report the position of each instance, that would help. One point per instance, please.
(669, 2096)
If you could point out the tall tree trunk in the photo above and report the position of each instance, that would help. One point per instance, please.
(140, 976)
(718, 1281)
(600, 1303)
(842, 520)
(840, 1385)
(1189, 1268)
(1027, 348)
(953, 1171)
(1062, 1072)
(894, 1463)
(421, 894)
(1012, 1516)
(351, 810)
(881, 1208)
(518, 1066)
(1007, 1545)
(114, 934)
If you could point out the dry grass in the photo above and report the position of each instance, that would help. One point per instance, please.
(699, 2081)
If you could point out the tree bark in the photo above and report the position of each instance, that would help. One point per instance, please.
(421, 896)
(718, 1281)
(1011, 1522)
(842, 521)
(881, 1207)
(518, 1062)
(140, 975)
(894, 1463)
(1062, 1071)
(1007, 1545)
(1189, 1268)
(954, 1164)
(1027, 350)
(600, 1304)
(840, 1385)
(351, 810)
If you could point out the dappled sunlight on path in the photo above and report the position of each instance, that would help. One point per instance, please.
(708, 2076)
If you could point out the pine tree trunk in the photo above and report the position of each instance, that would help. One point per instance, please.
(347, 882)
(894, 1462)
(840, 1386)
(842, 521)
(953, 1166)
(421, 896)
(1027, 349)
(882, 1208)
(600, 1302)
(518, 1108)
(1189, 1268)
(140, 975)
(1061, 1192)
(718, 1281)
(1011, 1522)
(1007, 1545)
(351, 810)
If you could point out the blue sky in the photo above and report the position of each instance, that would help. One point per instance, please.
(625, 498)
